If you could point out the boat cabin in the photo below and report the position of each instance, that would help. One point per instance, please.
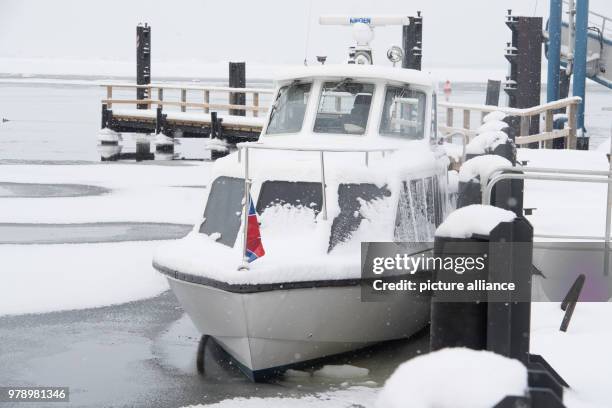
(348, 154)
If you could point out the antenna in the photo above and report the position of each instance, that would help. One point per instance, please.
(307, 33)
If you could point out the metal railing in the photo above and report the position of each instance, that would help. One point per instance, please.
(604, 23)
(545, 137)
(261, 146)
(550, 174)
(205, 92)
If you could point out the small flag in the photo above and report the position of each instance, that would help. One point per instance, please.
(254, 248)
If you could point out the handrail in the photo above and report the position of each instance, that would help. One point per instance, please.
(561, 103)
(485, 181)
(607, 179)
(188, 87)
(546, 136)
(262, 146)
(204, 92)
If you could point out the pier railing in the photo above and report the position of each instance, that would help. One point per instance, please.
(552, 174)
(203, 103)
(544, 138)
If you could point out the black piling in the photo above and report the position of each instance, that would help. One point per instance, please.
(143, 62)
(494, 321)
(524, 53)
(493, 89)
(237, 79)
(412, 42)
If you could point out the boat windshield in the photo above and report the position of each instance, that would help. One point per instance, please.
(287, 111)
(223, 209)
(351, 198)
(403, 113)
(344, 107)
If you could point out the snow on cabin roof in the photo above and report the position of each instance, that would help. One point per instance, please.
(359, 71)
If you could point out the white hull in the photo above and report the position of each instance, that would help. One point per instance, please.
(266, 332)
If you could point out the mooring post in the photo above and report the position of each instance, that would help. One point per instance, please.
(554, 50)
(237, 79)
(493, 88)
(412, 42)
(143, 63)
(497, 321)
(524, 53)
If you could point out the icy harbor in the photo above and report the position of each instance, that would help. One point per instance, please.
(77, 236)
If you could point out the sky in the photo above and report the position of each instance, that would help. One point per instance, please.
(466, 34)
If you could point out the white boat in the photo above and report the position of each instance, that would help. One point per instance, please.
(348, 154)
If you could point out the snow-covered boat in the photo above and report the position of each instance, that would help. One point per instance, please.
(348, 154)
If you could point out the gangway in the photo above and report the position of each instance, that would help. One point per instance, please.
(599, 46)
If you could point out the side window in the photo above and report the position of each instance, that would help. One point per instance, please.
(403, 113)
(288, 110)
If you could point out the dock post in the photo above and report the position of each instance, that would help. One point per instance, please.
(524, 53)
(412, 42)
(237, 79)
(143, 63)
(554, 50)
(493, 88)
(497, 321)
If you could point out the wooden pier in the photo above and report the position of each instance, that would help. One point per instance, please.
(192, 118)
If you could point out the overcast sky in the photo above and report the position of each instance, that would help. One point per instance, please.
(467, 33)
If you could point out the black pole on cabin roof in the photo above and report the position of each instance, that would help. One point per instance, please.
(412, 42)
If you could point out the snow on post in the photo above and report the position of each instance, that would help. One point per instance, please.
(473, 219)
(481, 167)
(492, 125)
(486, 142)
(454, 378)
(496, 116)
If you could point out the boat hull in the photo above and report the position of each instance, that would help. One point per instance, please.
(269, 331)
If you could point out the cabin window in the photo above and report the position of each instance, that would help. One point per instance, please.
(350, 200)
(287, 111)
(403, 113)
(224, 209)
(344, 107)
(295, 194)
(419, 211)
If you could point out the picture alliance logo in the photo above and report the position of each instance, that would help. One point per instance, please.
(414, 263)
